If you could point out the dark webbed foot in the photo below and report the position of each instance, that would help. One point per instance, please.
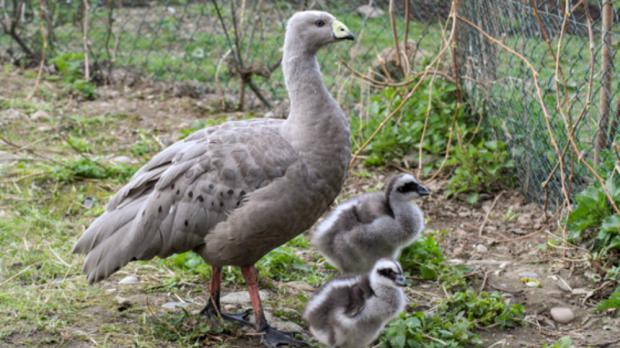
(274, 338)
(211, 312)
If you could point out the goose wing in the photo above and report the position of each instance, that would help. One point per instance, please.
(183, 192)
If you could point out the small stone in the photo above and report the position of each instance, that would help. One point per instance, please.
(533, 284)
(528, 275)
(40, 116)
(11, 115)
(174, 305)
(481, 248)
(563, 285)
(110, 291)
(300, 285)
(123, 303)
(269, 114)
(369, 11)
(562, 315)
(88, 202)
(122, 160)
(524, 220)
(130, 279)
(241, 297)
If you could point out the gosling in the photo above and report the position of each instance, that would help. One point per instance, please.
(372, 226)
(350, 311)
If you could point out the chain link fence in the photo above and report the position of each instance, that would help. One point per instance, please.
(232, 49)
(562, 43)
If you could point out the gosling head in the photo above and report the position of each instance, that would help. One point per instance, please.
(405, 187)
(311, 30)
(388, 273)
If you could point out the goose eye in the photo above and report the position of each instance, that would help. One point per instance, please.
(320, 23)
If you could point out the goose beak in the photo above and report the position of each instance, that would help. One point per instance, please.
(341, 32)
(422, 191)
(400, 280)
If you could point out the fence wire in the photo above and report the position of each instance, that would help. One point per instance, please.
(505, 83)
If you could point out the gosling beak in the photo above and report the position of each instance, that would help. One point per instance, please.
(341, 32)
(400, 280)
(422, 191)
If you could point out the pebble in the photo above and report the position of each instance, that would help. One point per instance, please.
(562, 315)
(175, 305)
(528, 275)
(123, 303)
(130, 279)
(40, 115)
(122, 160)
(369, 11)
(481, 248)
(241, 297)
(300, 285)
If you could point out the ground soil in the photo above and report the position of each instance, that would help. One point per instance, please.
(503, 240)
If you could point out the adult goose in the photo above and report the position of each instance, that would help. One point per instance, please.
(371, 226)
(236, 191)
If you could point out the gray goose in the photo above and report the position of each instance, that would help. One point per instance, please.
(371, 226)
(234, 192)
(350, 311)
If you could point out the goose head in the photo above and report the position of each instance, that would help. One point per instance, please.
(388, 273)
(311, 30)
(405, 187)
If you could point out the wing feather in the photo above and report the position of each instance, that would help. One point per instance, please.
(183, 192)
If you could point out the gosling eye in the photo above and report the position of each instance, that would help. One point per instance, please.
(319, 23)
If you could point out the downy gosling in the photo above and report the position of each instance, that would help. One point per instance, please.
(364, 229)
(350, 311)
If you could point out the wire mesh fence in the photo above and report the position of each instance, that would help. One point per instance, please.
(562, 43)
(232, 49)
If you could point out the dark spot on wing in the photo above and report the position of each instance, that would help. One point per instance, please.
(230, 192)
(159, 209)
(221, 203)
(201, 199)
(172, 186)
(186, 223)
(190, 194)
(178, 192)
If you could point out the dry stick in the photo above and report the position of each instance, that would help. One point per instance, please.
(406, 39)
(85, 11)
(538, 92)
(415, 78)
(571, 139)
(488, 214)
(543, 30)
(425, 127)
(395, 36)
(43, 14)
(408, 96)
(588, 102)
(580, 156)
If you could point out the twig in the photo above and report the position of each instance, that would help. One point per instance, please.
(395, 36)
(427, 114)
(44, 17)
(409, 95)
(488, 214)
(85, 12)
(6, 281)
(546, 113)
